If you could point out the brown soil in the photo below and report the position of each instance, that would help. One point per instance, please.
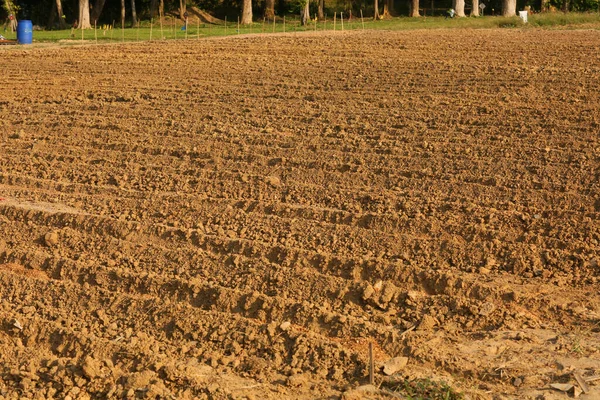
(239, 218)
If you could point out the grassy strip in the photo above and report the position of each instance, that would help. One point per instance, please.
(422, 389)
(172, 27)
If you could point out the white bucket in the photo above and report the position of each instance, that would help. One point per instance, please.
(523, 16)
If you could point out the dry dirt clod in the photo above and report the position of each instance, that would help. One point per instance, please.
(361, 392)
(273, 181)
(91, 368)
(51, 238)
(285, 325)
(368, 292)
(427, 323)
(393, 365)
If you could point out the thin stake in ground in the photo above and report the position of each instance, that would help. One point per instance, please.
(162, 33)
(371, 365)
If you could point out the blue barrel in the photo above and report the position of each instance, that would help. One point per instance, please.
(25, 32)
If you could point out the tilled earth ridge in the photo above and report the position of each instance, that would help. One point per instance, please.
(239, 218)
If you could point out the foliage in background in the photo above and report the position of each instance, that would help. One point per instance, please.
(39, 11)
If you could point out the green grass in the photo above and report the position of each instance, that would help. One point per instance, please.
(423, 389)
(172, 29)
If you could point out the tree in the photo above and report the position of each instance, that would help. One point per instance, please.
(122, 13)
(376, 10)
(388, 8)
(97, 10)
(509, 8)
(414, 8)
(321, 10)
(474, 8)
(11, 9)
(57, 10)
(153, 7)
(182, 9)
(84, 14)
(305, 13)
(247, 12)
(269, 9)
(133, 14)
(459, 7)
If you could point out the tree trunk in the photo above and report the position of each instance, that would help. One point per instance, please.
(509, 8)
(153, 7)
(133, 14)
(84, 14)
(269, 10)
(459, 7)
(566, 6)
(390, 5)
(247, 12)
(321, 10)
(474, 8)
(305, 13)
(386, 11)
(182, 9)
(376, 10)
(414, 8)
(59, 11)
(122, 13)
(544, 5)
(97, 10)
(52, 17)
(161, 8)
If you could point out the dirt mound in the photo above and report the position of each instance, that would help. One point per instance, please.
(248, 226)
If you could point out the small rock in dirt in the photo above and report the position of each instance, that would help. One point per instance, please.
(285, 325)
(563, 387)
(393, 365)
(17, 324)
(517, 382)
(51, 238)
(378, 286)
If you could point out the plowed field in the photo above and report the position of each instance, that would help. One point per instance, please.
(241, 217)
